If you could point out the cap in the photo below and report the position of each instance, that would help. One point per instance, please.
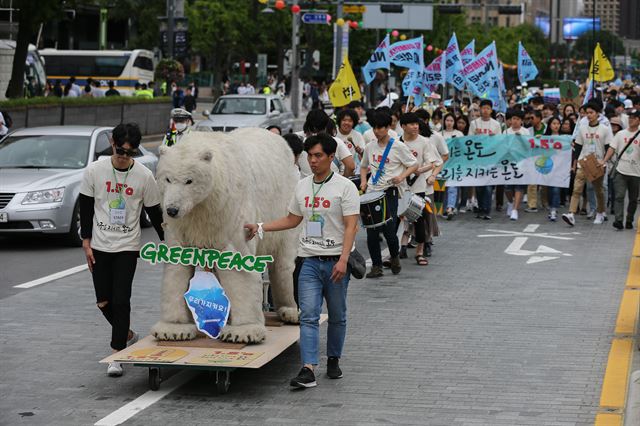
(180, 113)
(616, 121)
(628, 104)
(635, 113)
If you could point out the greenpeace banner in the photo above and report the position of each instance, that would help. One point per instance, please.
(508, 160)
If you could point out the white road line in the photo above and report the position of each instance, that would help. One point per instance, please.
(145, 400)
(531, 228)
(52, 277)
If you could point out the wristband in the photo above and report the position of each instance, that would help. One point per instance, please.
(260, 231)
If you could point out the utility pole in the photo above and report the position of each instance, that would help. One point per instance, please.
(170, 24)
(338, 47)
(295, 84)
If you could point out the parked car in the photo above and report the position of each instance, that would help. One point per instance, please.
(41, 169)
(232, 111)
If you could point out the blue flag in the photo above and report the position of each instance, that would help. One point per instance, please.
(589, 94)
(379, 59)
(453, 64)
(434, 74)
(480, 72)
(413, 85)
(408, 53)
(468, 54)
(527, 70)
(497, 91)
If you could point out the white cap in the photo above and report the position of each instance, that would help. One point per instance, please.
(628, 104)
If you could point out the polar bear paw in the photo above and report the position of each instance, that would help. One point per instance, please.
(248, 333)
(288, 315)
(174, 331)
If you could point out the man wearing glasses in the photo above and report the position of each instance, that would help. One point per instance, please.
(112, 195)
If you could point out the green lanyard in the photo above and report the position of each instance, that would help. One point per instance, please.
(113, 170)
(313, 198)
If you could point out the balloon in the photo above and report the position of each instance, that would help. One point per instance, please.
(395, 33)
(403, 37)
(360, 24)
(353, 24)
(263, 1)
(388, 30)
(340, 22)
(328, 18)
(295, 8)
(429, 48)
(279, 4)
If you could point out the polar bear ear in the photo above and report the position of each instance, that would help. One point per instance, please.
(206, 156)
(162, 150)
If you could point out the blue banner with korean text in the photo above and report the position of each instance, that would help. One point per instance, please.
(508, 160)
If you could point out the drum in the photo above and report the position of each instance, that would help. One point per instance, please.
(403, 203)
(373, 209)
(415, 208)
(356, 181)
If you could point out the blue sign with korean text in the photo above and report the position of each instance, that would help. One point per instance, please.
(314, 18)
(208, 303)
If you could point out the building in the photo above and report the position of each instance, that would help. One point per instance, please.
(629, 19)
(488, 12)
(608, 11)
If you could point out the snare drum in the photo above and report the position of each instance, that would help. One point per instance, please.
(356, 180)
(403, 203)
(373, 209)
(415, 208)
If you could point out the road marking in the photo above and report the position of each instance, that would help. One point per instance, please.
(145, 400)
(616, 376)
(541, 254)
(628, 314)
(531, 228)
(502, 233)
(608, 419)
(633, 277)
(53, 277)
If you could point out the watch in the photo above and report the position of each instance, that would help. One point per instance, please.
(260, 230)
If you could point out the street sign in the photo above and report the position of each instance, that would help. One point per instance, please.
(314, 18)
(354, 8)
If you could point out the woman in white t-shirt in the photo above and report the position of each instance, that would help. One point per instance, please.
(113, 193)
(449, 131)
(346, 119)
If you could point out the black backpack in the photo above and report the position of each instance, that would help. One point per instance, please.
(8, 121)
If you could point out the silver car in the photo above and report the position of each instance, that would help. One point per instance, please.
(232, 111)
(41, 169)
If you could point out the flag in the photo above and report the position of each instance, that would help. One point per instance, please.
(345, 88)
(434, 74)
(589, 94)
(527, 70)
(453, 64)
(480, 72)
(468, 54)
(601, 69)
(379, 59)
(408, 53)
(413, 85)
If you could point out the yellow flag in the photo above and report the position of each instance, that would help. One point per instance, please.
(601, 69)
(345, 88)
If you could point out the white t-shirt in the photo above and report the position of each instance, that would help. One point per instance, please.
(353, 140)
(398, 160)
(338, 197)
(482, 127)
(452, 134)
(629, 163)
(139, 189)
(369, 136)
(342, 152)
(441, 145)
(593, 140)
(425, 153)
(521, 131)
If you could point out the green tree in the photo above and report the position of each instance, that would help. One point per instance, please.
(610, 43)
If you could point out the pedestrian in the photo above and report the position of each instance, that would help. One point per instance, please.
(449, 131)
(112, 90)
(189, 101)
(553, 129)
(390, 162)
(113, 193)
(515, 193)
(178, 97)
(346, 120)
(58, 90)
(327, 239)
(626, 170)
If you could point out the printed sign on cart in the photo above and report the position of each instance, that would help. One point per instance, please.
(154, 355)
(226, 358)
(208, 303)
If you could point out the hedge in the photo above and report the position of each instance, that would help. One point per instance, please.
(79, 101)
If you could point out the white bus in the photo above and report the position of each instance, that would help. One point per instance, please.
(124, 67)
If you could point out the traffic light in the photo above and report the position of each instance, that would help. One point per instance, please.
(449, 9)
(509, 10)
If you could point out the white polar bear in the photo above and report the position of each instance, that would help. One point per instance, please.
(211, 185)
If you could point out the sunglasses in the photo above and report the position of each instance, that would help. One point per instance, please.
(127, 152)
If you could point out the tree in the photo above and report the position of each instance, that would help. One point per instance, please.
(31, 14)
(610, 43)
(169, 70)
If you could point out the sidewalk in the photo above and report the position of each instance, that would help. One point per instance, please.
(478, 337)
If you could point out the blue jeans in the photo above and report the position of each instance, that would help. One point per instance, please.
(452, 197)
(314, 283)
(484, 194)
(554, 197)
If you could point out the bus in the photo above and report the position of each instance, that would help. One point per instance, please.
(124, 67)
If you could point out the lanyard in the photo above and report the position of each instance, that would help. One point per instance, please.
(313, 198)
(113, 170)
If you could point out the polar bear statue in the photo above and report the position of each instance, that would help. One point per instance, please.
(212, 184)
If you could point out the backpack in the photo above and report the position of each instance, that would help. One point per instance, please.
(8, 121)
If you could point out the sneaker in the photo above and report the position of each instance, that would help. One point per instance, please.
(395, 265)
(618, 225)
(304, 379)
(568, 217)
(486, 217)
(604, 216)
(134, 338)
(462, 209)
(114, 369)
(629, 225)
(531, 210)
(599, 219)
(509, 208)
(376, 272)
(514, 215)
(333, 368)
(553, 216)
(591, 214)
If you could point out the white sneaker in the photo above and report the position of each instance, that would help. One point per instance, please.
(514, 215)
(599, 219)
(462, 210)
(591, 214)
(568, 217)
(553, 216)
(114, 369)
(509, 208)
(134, 338)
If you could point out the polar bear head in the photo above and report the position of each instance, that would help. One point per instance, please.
(185, 175)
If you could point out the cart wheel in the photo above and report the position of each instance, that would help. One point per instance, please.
(223, 381)
(154, 378)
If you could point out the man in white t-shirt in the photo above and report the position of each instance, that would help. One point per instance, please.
(627, 173)
(515, 193)
(113, 193)
(353, 140)
(485, 125)
(592, 138)
(328, 206)
(387, 174)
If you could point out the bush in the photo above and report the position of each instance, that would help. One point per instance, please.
(169, 70)
(81, 101)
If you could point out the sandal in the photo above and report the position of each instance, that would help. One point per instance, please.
(421, 260)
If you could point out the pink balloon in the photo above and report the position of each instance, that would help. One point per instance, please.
(395, 33)
(328, 18)
(429, 48)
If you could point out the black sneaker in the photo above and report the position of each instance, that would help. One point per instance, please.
(395, 265)
(304, 379)
(629, 225)
(376, 272)
(617, 224)
(333, 368)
